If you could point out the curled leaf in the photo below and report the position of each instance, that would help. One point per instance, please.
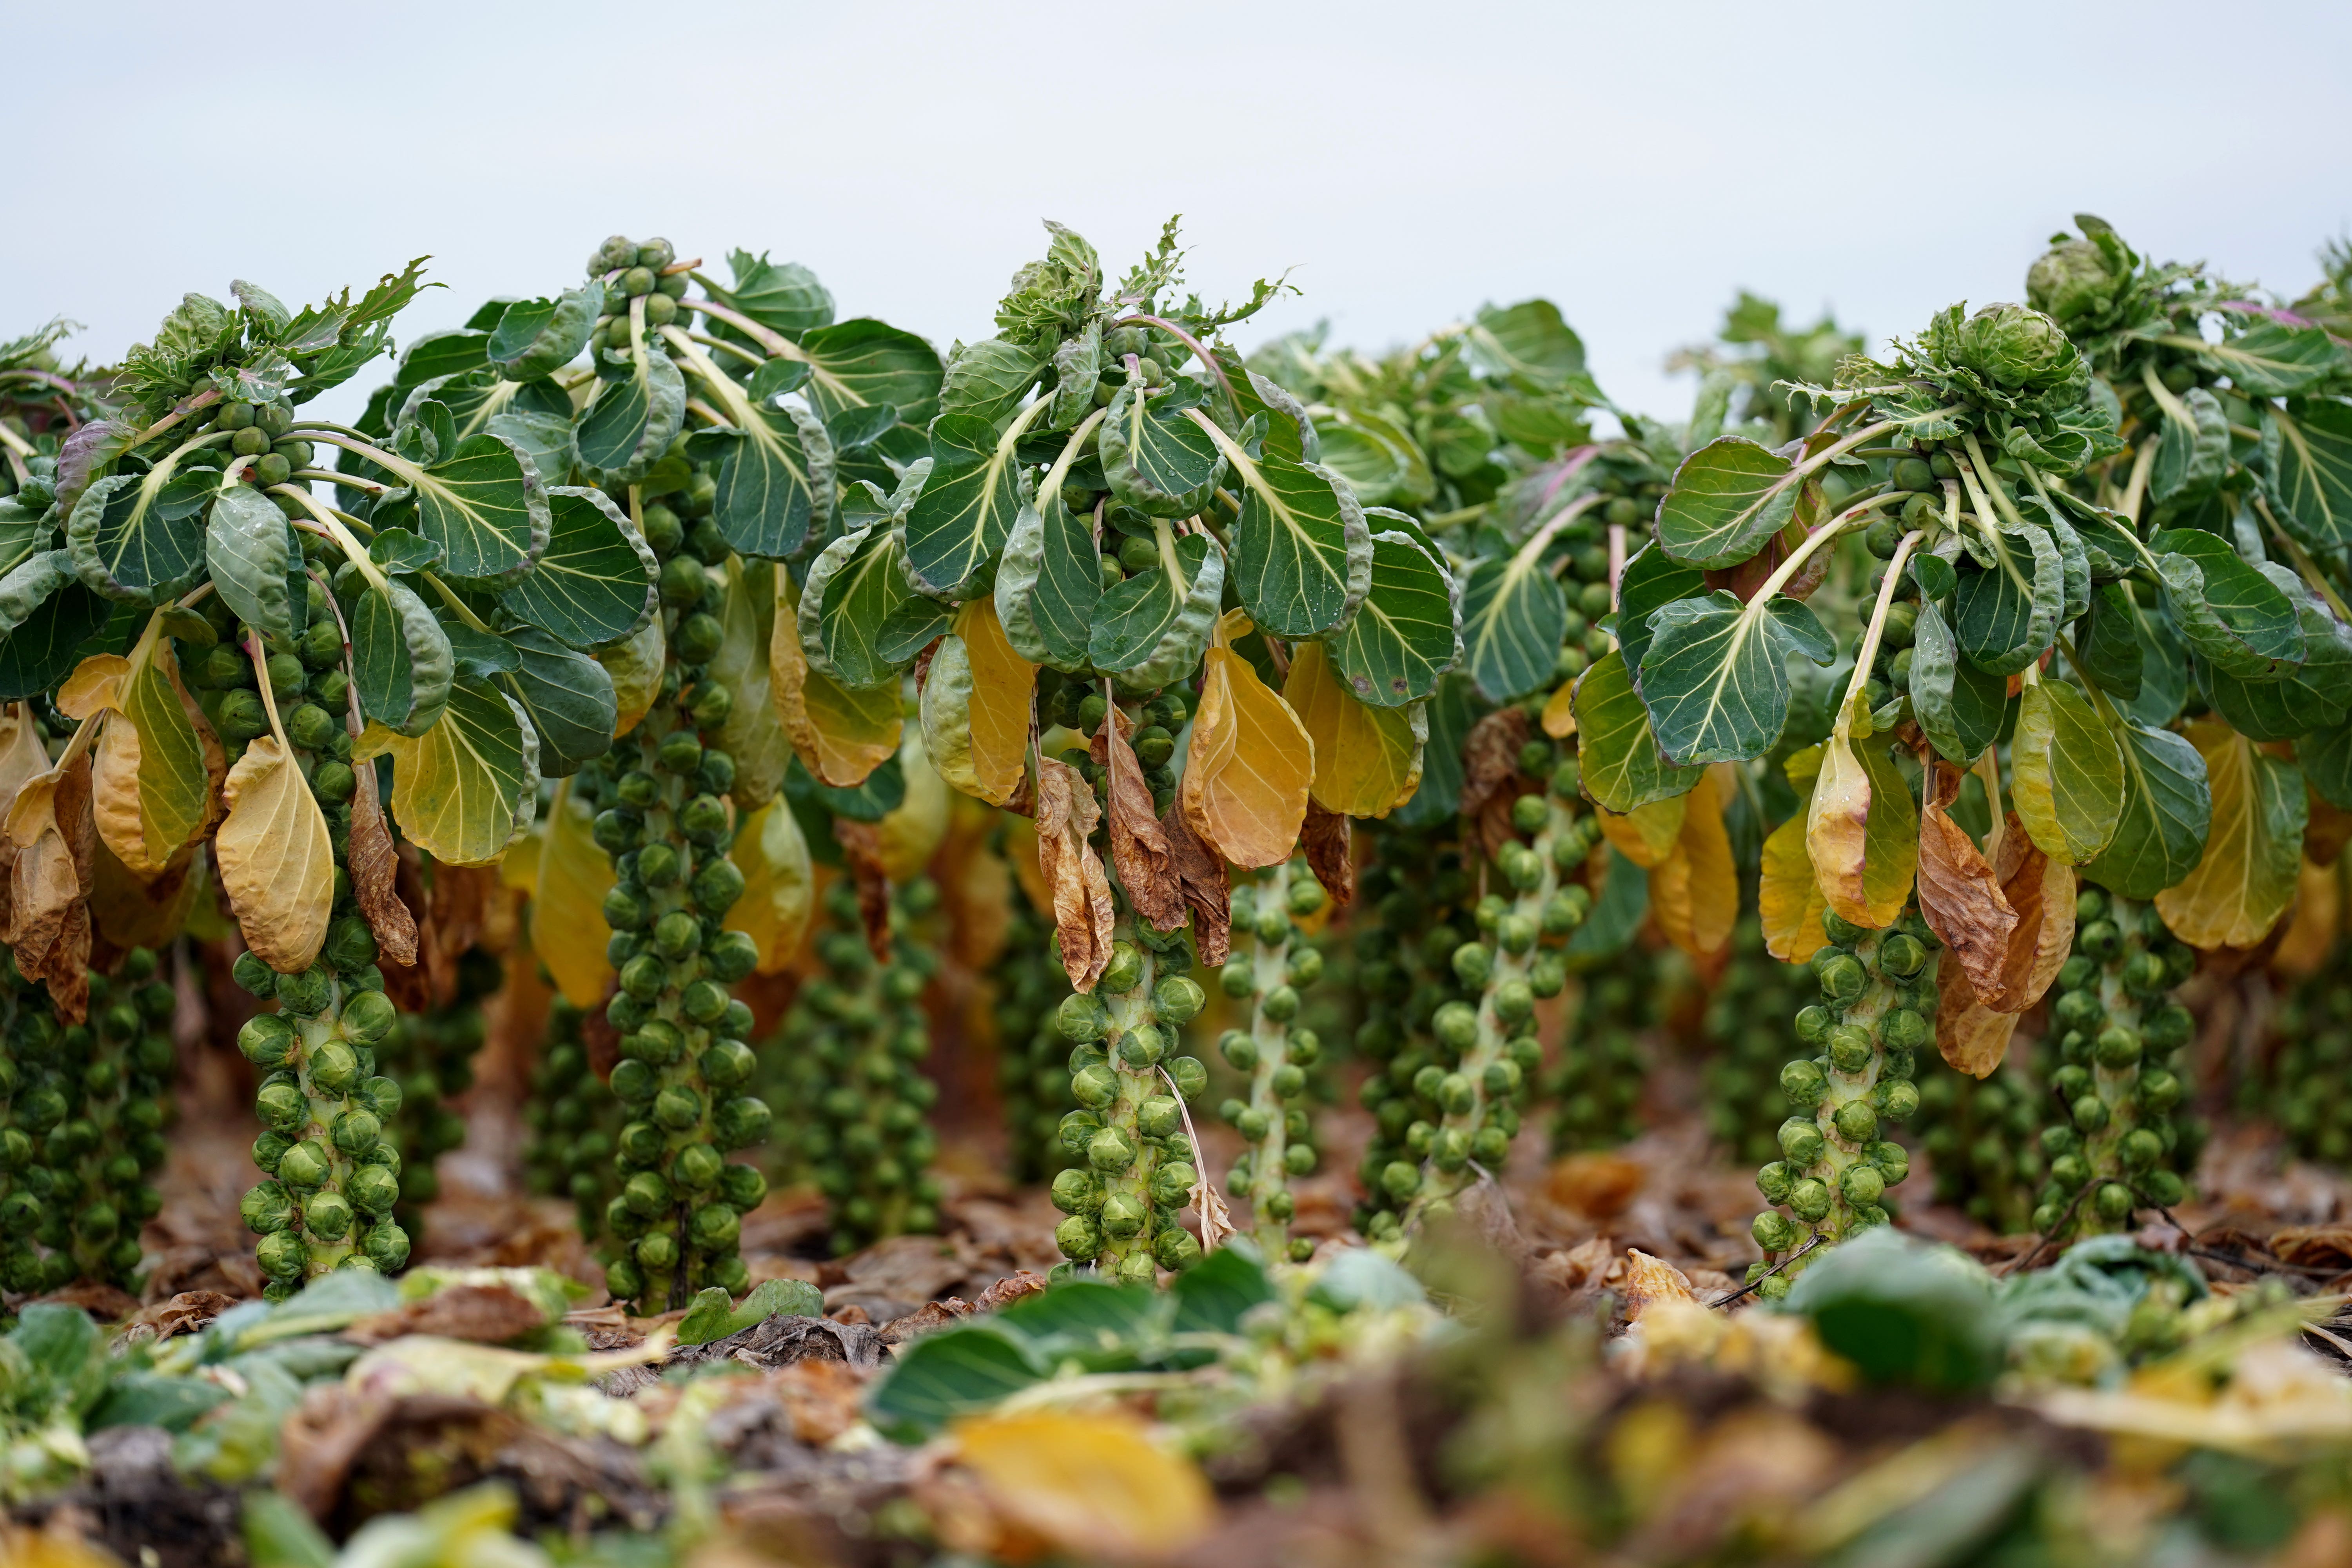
(1208, 892)
(1695, 890)
(372, 864)
(1959, 896)
(1083, 913)
(276, 862)
(1788, 897)
(54, 840)
(976, 706)
(635, 663)
(1648, 835)
(1140, 850)
(842, 734)
(1325, 838)
(1249, 764)
(2253, 851)
(1367, 759)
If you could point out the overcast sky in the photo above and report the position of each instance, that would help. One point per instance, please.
(1637, 163)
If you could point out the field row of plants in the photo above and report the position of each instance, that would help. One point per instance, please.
(1291, 879)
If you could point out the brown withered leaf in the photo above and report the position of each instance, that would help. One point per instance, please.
(373, 864)
(1208, 891)
(1325, 838)
(2041, 892)
(861, 845)
(1641, 1281)
(51, 828)
(1490, 765)
(1140, 850)
(1083, 913)
(1971, 1036)
(1960, 897)
(485, 1314)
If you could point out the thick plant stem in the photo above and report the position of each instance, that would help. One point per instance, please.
(1127, 1207)
(1274, 1052)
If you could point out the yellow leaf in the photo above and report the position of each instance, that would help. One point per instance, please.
(1559, 712)
(150, 776)
(95, 686)
(976, 702)
(634, 664)
(911, 833)
(779, 884)
(1367, 759)
(130, 911)
(1862, 829)
(749, 733)
(1093, 1485)
(275, 863)
(449, 795)
(567, 909)
(2311, 934)
(2067, 773)
(842, 734)
(1250, 762)
(1695, 892)
(1788, 898)
(2253, 851)
(22, 756)
(1647, 834)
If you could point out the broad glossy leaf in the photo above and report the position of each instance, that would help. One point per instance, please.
(2312, 695)
(1368, 760)
(2270, 359)
(1150, 629)
(2068, 773)
(467, 788)
(401, 658)
(633, 418)
(1451, 710)
(1652, 579)
(1249, 764)
(1958, 706)
(1716, 676)
(968, 505)
(1622, 769)
(537, 337)
(976, 706)
(2308, 463)
(1048, 586)
(2253, 851)
(275, 863)
(2228, 612)
(2108, 538)
(960, 1372)
(1514, 616)
(1158, 462)
(860, 620)
(596, 582)
(750, 733)
(1727, 497)
(864, 362)
(128, 542)
(434, 354)
(569, 697)
(30, 584)
(2192, 453)
(250, 549)
(2168, 809)
(484, 505)
(785, 297)
(1302, 552)
(38, 651)
(841, 733)
(2164, 663)
(989, 379)
(2106, 639)
(478, 655)
(2005, 617)
(1404, 635)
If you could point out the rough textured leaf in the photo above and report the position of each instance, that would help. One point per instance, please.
(277, 865)
(2191, 454)
(751, 733)
(2270, 359)
(1622, 769)
(1048, 584)
(1249, 764)
(537, 337)
(468, 786)
(2068, 773)
(401, 658)
(2246, 879)
(633, 417)
(1302, 551)
(53, 845)
(1958, 706)
(1959, 896)
(1150, 629)
(976, 706)
(1156, 460)
(2308, 463)
(1716, 678)
(1406, 633)
(1367, 759)
(140, 538)
(2230, 612)
(374, 865)
(2168, 810)
(2312, 695)
(1727, 499)
(249, 548)
(596, 582)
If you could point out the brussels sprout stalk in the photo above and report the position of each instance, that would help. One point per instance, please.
(1275, 1055)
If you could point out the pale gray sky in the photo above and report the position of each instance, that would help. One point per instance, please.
(1637, 164)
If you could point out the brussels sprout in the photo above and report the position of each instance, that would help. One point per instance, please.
(267, 1040)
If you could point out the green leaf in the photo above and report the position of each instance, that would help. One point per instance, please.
(2108, 537)
(468, 787)
(1622, 767)
(2006, 617)
(130, 541)
(54, 633)
(786, 298)
(2074, 568)
(1048, 584)
(483, 505)
(957, 1371)
(478, 655)
(2308, 463)
(2191, 455)
(1727, 500)
(2163, 665)
(2068, 773)
(1530, 344)
(1151, 627)
(539, 337)
(569, 697)
(30, 584)
(1157, 462)
(596, 582)
(1302, 551)
(401, 658)
(752, 733)
(1213, 1295)
(863, 363)
(2167, 807)
(2325, 756)
(988, 380)
(775, 480)
(968, 504)
(2108, 641)
(2313, 695)
(251, 548)
(1451, 710)
(633, 418)
(436, 354)
(2270, 359)
(1514, 616)
(1715, 674)
(1078, 371)
(1404, 635)
(1652, 579)
(396, 550)
(2230, 613)
(861, 620)
(1617, 915)
(1103, 1326)
(1289, 433)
